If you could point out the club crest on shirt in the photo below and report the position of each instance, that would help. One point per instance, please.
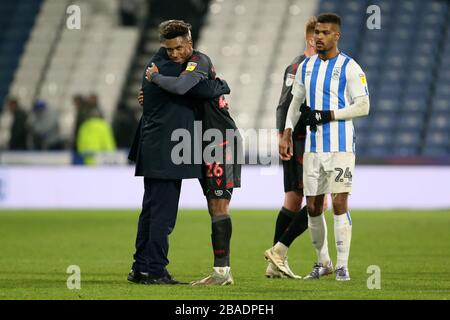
(336, 73)
(191, 66)
(289, 79)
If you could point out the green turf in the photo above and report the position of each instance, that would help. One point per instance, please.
(412, 249)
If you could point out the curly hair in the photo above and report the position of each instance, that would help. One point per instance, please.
(174, 28)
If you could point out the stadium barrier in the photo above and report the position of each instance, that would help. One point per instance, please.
(115, 187)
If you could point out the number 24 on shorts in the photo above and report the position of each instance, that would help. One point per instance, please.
(347, 174)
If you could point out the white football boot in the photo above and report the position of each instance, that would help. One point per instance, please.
(280, 262)
(221, 276)
(319, 270)
(342, 274)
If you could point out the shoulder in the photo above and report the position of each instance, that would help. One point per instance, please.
(200, 57)
(295, 63)
(308, 62)
(352, 65)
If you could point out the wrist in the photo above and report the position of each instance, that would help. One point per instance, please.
(287, 133)
(153, 75)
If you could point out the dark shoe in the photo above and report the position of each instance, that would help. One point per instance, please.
(138, 277)
(167, 279)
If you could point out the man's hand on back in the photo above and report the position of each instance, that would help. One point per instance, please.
(150, 71)
(141, 97)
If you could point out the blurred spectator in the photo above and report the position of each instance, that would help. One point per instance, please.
(124, 122)
(44, 129)
(128, 12)
(92, 101)
(19, 130)
(95, 135)
(82, 110)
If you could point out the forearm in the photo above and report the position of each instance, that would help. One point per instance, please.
(176, 85)
(209, 89)
(281, 118)
(294, 112)
(359, 108)
(282, 109)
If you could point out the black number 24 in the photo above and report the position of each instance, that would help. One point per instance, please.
(347, 174)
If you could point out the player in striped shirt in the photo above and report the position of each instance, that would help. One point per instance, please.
(335, 90)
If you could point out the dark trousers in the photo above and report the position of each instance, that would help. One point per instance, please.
(156, 222)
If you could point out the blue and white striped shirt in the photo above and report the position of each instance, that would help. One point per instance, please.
(330, 85)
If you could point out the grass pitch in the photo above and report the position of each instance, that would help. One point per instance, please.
(412, 249)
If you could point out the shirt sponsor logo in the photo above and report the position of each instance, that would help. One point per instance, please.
(191, 66)
(289, 79)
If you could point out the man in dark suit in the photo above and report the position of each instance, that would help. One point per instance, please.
(152, 149)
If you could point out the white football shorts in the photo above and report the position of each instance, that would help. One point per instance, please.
(327, 172)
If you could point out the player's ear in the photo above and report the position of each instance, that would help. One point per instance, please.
(337, 35)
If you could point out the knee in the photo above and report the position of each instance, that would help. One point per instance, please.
(293, 201)
(339, 205)
(312, 210)
(218, 207)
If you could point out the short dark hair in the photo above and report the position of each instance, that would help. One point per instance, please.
(171, 29)
(329, 17)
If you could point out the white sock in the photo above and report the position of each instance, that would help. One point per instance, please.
(318, 231)
(281, 249)
(343, 236)
(222, 270)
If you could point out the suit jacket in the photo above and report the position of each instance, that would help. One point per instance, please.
(162, 114)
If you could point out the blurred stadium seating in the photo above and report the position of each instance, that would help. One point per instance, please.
(250, 43)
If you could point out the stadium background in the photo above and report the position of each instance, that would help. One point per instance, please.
(403, 147)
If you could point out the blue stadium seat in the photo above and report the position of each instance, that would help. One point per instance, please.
(430, 39)
(388, 104)
(390, 89)
(411, 121)
(414, 105)
(383, 121)
(377, 151)
(420, 73)
(396, 61)
(408, 138)
(439, 121)
(380, 139)
(417, 90)
(443, 89)
(362, 139)
(362, 124)
(409, 6)
(405, 151)
(422, 61)
(328, 6)
(437, 139)
(436, 151)
(441, 105)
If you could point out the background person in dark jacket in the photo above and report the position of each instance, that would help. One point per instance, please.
(19, 130)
